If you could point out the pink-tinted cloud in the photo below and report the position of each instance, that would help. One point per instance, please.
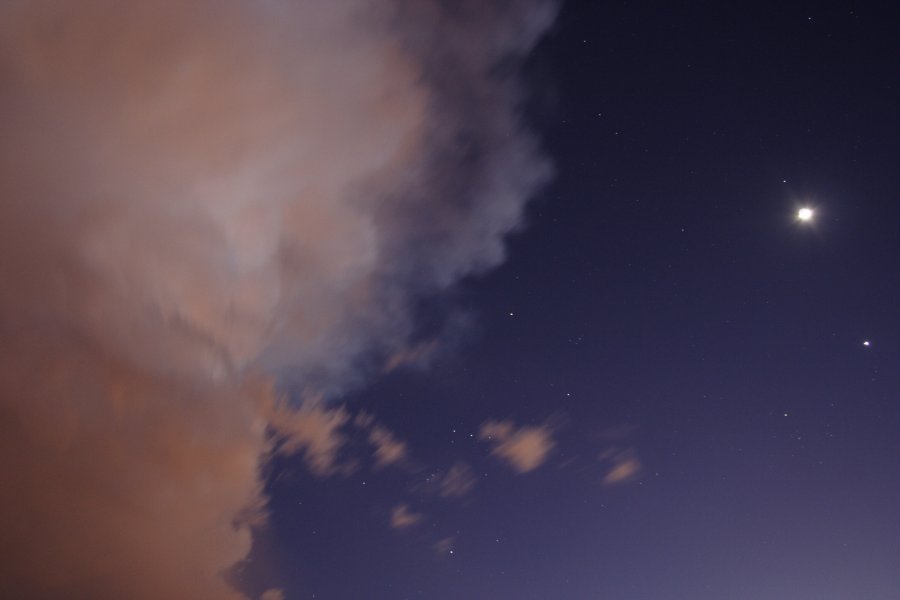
(624, 466)
(113, 478)
(314, 431)
(203, 202)
(444, 546)
(416, 355)
(402, 517)
(458, 481)
(388, 449)
(524, 449)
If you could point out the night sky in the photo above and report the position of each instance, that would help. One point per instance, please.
(670, 388)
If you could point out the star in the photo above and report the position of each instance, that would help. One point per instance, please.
(867, 343)
(805, 214)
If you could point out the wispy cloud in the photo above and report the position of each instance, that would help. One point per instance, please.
(444, 546)
(624, 466)
(413, 356)
(402, 517)
(524, 448)
(458, 481)
(388, 449)
(313, 430)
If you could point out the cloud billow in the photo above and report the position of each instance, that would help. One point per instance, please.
(203, 202)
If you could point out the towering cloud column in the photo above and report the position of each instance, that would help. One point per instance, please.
(205, 201)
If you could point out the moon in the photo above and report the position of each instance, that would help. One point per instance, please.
(805, 214)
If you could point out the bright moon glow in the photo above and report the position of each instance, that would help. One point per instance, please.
(805, 214)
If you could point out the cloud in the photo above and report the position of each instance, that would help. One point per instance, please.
(524, 449)
(625, 466)
(388, 449)
(402, 517)
(419, 354)
(272, 594)
(216, 218)
(444, 546)
(313, 430)
(458, 481)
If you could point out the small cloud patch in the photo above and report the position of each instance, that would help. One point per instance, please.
(402, 517)
(458, 481)
(524, 449)
(624, 466)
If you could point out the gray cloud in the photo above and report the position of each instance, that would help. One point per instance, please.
(204, 202)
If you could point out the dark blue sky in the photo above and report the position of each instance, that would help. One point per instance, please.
(663, 308)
